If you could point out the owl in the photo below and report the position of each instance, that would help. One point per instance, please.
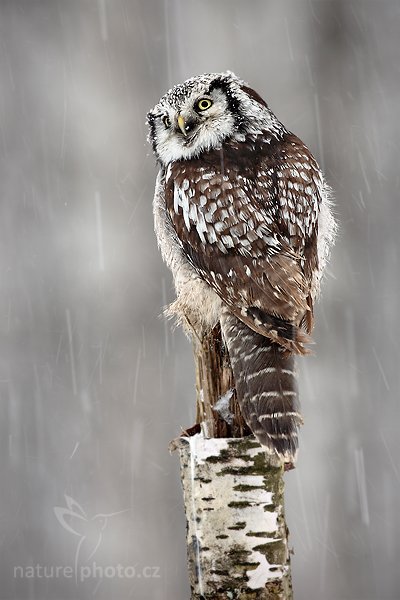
(243, 219)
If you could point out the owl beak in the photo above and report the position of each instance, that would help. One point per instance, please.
(182, 125)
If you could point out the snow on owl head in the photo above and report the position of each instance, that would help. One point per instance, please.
(201, 113)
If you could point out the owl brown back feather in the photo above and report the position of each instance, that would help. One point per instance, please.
(242, 242)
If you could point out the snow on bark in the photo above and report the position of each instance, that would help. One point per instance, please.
(236, 533)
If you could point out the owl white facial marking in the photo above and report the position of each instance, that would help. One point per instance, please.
(198, 115)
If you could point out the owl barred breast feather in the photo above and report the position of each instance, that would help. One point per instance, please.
(243, 220)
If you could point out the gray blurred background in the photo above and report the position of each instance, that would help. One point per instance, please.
(93, 384)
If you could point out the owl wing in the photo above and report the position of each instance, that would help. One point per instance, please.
(299, 190)
(231, 230)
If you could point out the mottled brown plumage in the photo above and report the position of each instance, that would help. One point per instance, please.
(248, 246)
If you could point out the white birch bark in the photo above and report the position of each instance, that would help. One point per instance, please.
(236, 533)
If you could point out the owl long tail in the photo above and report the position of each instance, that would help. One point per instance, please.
(266, 387)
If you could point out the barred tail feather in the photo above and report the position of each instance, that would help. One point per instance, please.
(266, 387)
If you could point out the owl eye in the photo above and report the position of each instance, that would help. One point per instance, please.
(167, 121)
(203, 104)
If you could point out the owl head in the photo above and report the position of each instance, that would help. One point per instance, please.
(200, 114)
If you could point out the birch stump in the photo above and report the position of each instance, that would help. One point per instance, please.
(237, 538)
